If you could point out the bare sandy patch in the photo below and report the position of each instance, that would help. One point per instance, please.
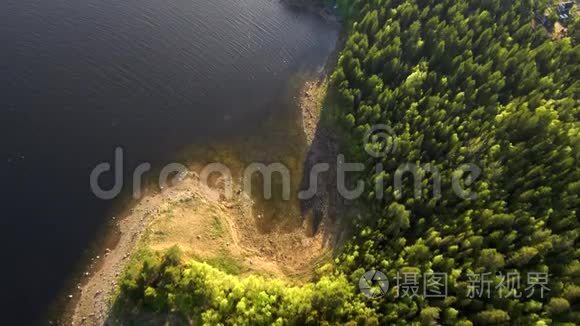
(209, 227)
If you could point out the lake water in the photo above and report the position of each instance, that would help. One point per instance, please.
(79, 78)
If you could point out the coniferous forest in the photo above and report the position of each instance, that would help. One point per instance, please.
(478, 83)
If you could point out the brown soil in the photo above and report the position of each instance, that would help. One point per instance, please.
(234, 233)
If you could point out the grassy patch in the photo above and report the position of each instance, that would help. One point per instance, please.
(227, 263)
(216, 228)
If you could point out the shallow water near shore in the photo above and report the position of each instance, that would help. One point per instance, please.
(78, 79)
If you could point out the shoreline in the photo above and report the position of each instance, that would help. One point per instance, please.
(99, 281)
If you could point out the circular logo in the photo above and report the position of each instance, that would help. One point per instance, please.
(373, 284)
(379, 141)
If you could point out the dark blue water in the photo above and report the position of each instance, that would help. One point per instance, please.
(79, 78)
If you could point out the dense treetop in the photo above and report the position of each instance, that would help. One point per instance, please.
(468, 82)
